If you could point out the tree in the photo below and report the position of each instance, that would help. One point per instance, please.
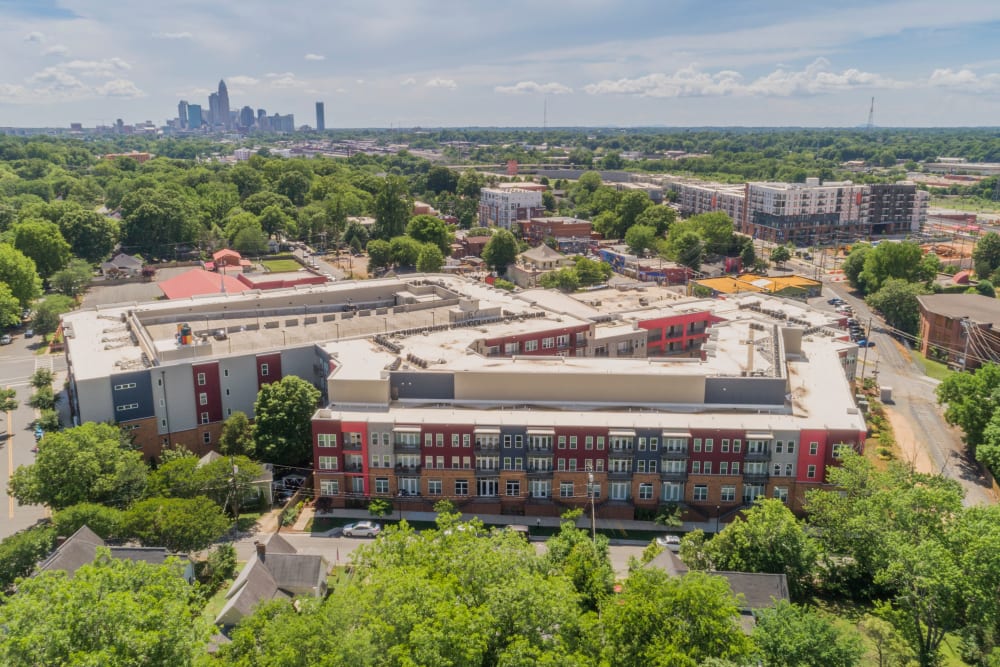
(430, 259)
(355, 232)
(985, 287)
(18, 272)
(379, 254)
(986, 254)
(639, 238)
(180, 524)
(768, 539)
(250, 239)
(237, 435)
(854, 264)
(10, 308)
(21, 552)
(87, 463)
(441, 179)
(43, 399)
(662, 620)
(8, 400)
(294, 185)
(112, 612)
(282, 427)
(789, 634)
(591, 272)
(688, 250)
(47, 312)
(91, 236)
(748, 255)
(155, 221)
(379, 507)
(780, 255)
(42, 378)
(564, 279)
(897, 301)
(428, 229)
(103, 520)
(392, 208)
(658, 217)
(72, 280)
(275, 222)
(500, 251)
(44, 244)
(405, 251)
(582, 560)
(971, 400)
(904, 261)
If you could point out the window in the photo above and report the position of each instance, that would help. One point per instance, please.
(434, 487)
(466, 440)
(227, 392)
(640, 466)
(600, 443)
(572, 465)
(439, 463)
(776, 470)
(594, 491)
(737, 444)
(696, 467)
(736, 467)
(707, 468)
(130, 385)
(645, 492)
(541, 488)
(548, 343)
(839, 449)
(329, 487)
(513, 488)
(506, 442)
(439, 440)
(461, 487)
(560, 464)
(619, 491)
(385, 439)
(600, 465)
(428, 439)
(708, 445)
(725, 446)
(697, 444)
(562, 340)
(204, 417)
(456, 462)
(642, 445)
(778, 447)
(813, 448)
(791, 447)
(126, 406)
(724, 468)
(326, 439)
(373, 438)
(201, 379)
(572, 442)
(357, 485)
(163, 423)
(654, 444)
(206, 437)
(466, 462)
(519, 441)
(530, 345)
(652, 466)
(566, 489)
(811, 472)
(728, 494)
(382, 485)
(672, 491)
(202, 398)
(328, 463)
(488, 487)
(264, 370)
(454, 439)
(788, 470)
(700, 492)
(781, 493)
(510, 348)
(588, 442)
(562, 442)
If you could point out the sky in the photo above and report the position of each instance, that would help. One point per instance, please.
(436, 63)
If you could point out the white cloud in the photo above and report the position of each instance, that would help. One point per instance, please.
(241, 80)
(108, 68)
(360, 82)
(438, 82)
(815, 79)
(36, 37)
(526, 87)
(315, 56)
(121, 88)
(276, 75)
(287, 80)
(408, 81)
(57, 50)
(341, 90)
(964, 80)
(68, 82)
(173, 35)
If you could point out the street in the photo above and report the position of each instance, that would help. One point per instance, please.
(18, 362)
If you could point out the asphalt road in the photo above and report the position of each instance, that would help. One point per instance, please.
(913, 398)
(18, 362)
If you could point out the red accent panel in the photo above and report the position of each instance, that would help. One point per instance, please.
(211, 389)
(273, 362)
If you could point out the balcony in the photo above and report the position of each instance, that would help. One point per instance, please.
(755, 477)
(486, 445)
(353, 467)
(487, 472)
(352, 445)
(673, 475)
(403, 469)
(540, 452)
(402, 446)
(764, 455)
(619, 474)
(539, 472)
(674, 454)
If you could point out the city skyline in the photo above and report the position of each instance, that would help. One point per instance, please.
(600, 63)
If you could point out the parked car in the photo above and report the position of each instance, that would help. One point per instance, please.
(6, 339)
(30, 333)
(866, 343)
(220, 334)
(362, 529)
(836, 301)
(671, 542)
(293, 481)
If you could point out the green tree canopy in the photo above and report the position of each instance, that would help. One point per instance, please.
(897, 301)
(10, 307)
(780, 255)
(986, 255)
(789, 634)
(392, 208)
(48, 310)
(405, 251)
(112, 612)
(640, 238)
(91, 235)
(179, 524)
(658, 217)
(379, 254)
(428, 229)
(500, 251)
(21, 552)
(18, 272)
(237, 435)
(903, 261)
(72, 280)
(430, 259)
(43, 243)
(88, 463)
(282, 426)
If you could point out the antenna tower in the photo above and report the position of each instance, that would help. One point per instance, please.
(871, 116)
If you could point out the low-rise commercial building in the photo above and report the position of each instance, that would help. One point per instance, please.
(960, 329)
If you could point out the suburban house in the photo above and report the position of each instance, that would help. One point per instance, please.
(121, 266)
(228, 260)
(275, 572)
(961, 328)
(263, 486)
(534, 263)
(80, 549)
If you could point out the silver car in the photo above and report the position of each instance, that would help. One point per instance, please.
(362, 529)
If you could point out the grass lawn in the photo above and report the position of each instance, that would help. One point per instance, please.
(281, 265)
(247, 520)
(934, 369)
(964, 204)
(216, 602)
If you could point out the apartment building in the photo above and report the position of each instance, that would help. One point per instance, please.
(561, 228)
(697, 197)
(504, 207)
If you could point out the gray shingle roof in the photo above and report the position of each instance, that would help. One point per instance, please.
(980, 309)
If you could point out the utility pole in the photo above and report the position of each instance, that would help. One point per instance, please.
(593, 516)
(965, 353)
(234, 491)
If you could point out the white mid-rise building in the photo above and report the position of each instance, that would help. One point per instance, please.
(504, 207)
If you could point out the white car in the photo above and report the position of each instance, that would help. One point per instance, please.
(671, 542)
(362, 529)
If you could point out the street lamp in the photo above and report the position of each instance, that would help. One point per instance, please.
(718, 513)
(593, 517)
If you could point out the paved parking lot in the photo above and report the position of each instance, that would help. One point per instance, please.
(105, 295)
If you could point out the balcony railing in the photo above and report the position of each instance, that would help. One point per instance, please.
(404, 468)
(675, 454)
(674, 475)
(758, 455)
(406, 446)
(484, 445)
(353, 467)
(349, 445)
(619, 474)
(755, 477)
(487, 472)
(539, 472)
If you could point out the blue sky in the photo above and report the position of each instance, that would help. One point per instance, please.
(455, 62)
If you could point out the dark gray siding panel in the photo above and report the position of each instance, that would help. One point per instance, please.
(433, 386)
(745, 391)
(132, 396)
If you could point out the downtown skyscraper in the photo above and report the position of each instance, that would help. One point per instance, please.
(223, 109)
(320, 117)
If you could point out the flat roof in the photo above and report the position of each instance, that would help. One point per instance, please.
(978, 308)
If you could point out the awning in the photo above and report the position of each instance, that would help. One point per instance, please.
(406, 429)
(487, 430)
(760, 436)
(621, 433)
(541, 431)
(676, 434)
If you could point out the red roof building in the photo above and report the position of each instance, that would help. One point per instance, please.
(227, 257)
(199, 281)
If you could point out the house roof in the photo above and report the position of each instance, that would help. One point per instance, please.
(81, 548)
(758, 590)
(978, 308)
(668, 561)
(226, 253)
(123, 261)
(199, 281)
(256, 586)
(541, 253)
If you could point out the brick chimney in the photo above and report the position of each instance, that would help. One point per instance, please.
(261, 549)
